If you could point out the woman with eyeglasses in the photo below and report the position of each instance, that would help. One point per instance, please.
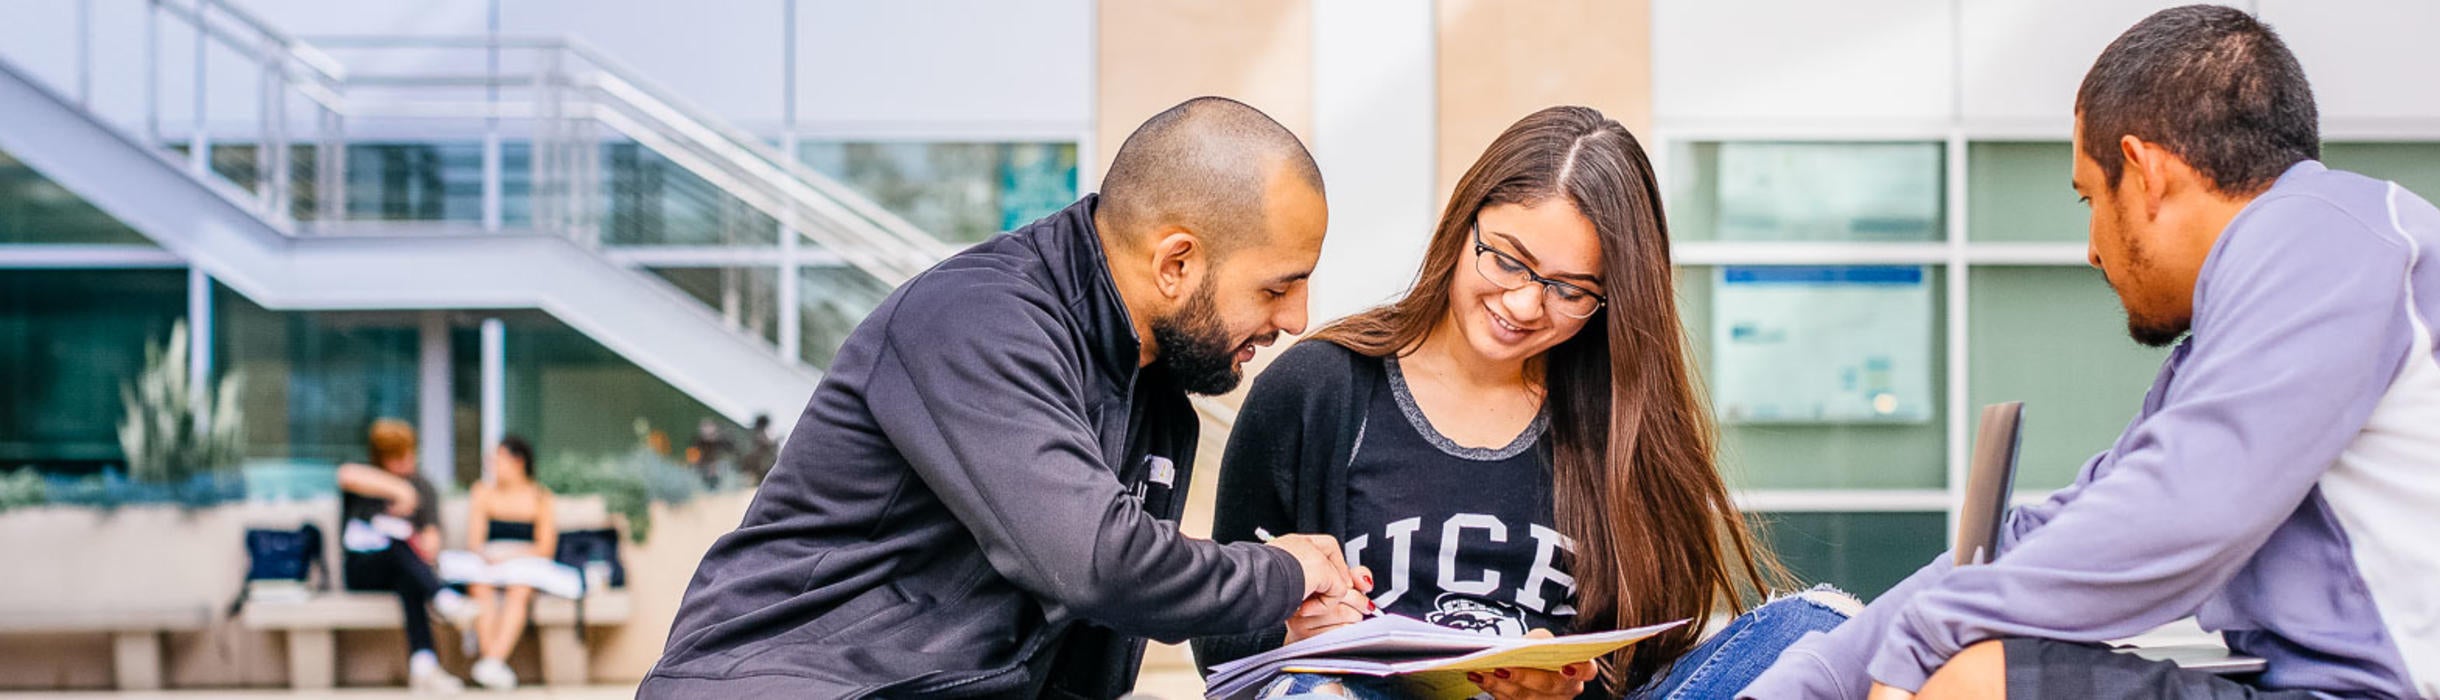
(1518, 446)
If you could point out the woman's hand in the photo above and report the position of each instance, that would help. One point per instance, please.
(1534, 683)
(1319, 614)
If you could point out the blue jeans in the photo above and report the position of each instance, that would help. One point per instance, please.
(1717, 668)
(1726, 663)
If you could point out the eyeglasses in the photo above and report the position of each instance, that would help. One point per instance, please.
(1512, 274)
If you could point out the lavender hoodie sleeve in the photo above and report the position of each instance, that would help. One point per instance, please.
(2299, 328)
(1831, 664)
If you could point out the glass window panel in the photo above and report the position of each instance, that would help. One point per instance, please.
(745, 297)
(653, 201)
(835, 299)
(2017, 191)
(2415, 166)
(428, 181)
(1861, 553)
(2055, 338)
(571, 396)
(315, 380)
(69, 339)
(959, 192)
(33, 209)
(1897, 455)
(1782, 191)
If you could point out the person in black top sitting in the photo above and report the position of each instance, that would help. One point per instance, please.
(390, 526)
(1518, 447)
(509, 518)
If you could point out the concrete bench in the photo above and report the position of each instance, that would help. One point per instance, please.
(135, 647)
(313, 649)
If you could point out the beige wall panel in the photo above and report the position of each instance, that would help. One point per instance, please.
(1500, 60)
(1157, 53)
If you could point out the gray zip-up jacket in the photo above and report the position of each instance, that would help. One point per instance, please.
(2282, 483)
(977, 502)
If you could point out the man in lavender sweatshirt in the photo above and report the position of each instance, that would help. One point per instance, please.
(2282, 481)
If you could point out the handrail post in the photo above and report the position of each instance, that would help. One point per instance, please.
(84, 53)
(283, 200)
(199, 143)
(491, 124)
(541, 149)
(791, 275)
(152, 73)
(265, 196)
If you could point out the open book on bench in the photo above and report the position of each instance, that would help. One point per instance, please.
(461, 567)
(1431, 660)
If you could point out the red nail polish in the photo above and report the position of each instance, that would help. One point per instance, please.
(1503, 673)
(1475, 678)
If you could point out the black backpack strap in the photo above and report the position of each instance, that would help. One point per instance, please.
(244, 586)
(315, 560)
(584, 589)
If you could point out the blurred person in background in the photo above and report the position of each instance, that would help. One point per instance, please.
(390, 529)
(511, 525)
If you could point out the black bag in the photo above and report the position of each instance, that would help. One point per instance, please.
(282, 555)
(580, 547)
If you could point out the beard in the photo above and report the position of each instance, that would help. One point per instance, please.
(1195, 346)
(2156, 333)
(2148, 331)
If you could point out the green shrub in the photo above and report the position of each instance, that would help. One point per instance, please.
(23, 489)
(627, 483)
(167, 440)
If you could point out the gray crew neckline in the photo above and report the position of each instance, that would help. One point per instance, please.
(1423, 426)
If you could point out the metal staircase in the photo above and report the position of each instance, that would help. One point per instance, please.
(266, 209)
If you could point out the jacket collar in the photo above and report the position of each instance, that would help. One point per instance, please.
(1080, 274)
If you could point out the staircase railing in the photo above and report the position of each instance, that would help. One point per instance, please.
(559, 94)
(285, 154)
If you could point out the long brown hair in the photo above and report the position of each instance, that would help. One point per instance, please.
(1656, 537)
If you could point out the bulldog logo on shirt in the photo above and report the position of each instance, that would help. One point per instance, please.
(1467, 613)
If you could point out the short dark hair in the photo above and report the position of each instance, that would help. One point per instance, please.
(523, 451)
(2209, 83)
(1204, 163)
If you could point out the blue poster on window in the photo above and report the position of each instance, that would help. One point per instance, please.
(1822, 344)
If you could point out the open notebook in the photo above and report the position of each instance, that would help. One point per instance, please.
(1432, 660)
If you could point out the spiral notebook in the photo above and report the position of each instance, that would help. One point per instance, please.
(1431, 660)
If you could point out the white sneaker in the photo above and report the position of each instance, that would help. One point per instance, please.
(456, 608)
(494, 674)
(434, 681)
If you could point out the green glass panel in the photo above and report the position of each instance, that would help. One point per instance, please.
(1861, 553)
(746, 297)
(2055, 338)
(2415, 166)
(2017, 191)
(69, 339)
(426, 181)
(314, 381)
(835, 300)
(33, 209)
(959, 192)
(1790, 191)
(569, 395)
(652, 201)
(1827, 455)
